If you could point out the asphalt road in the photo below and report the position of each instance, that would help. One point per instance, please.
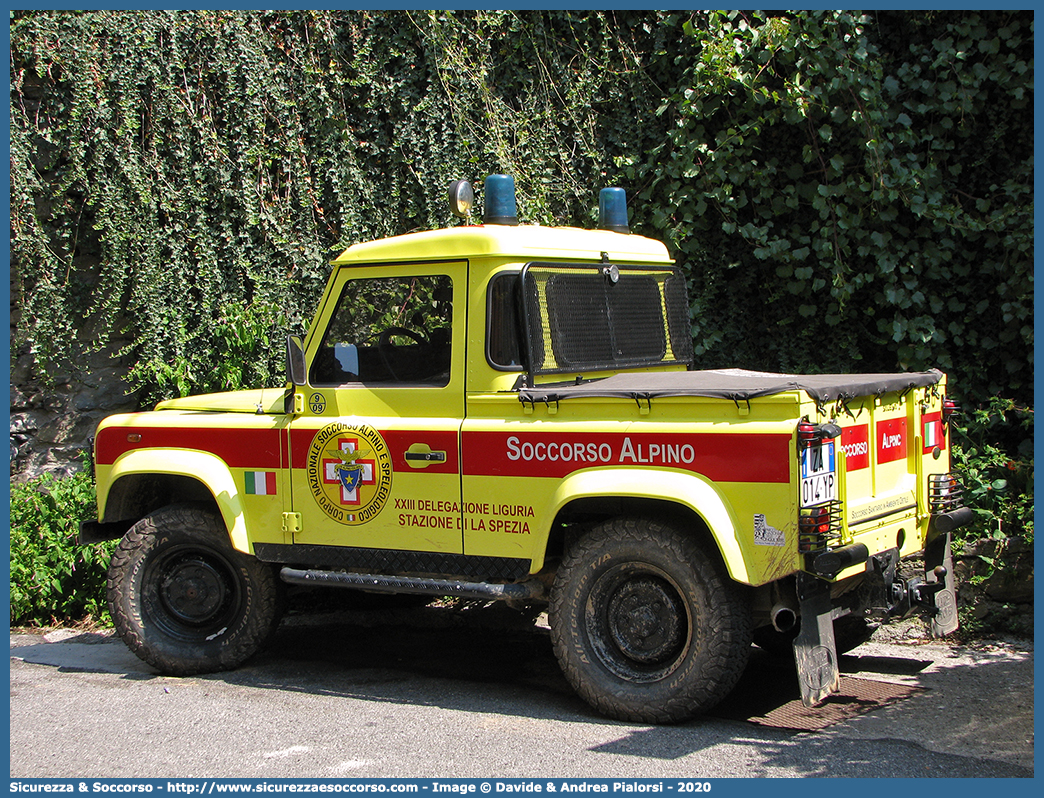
(475, 691)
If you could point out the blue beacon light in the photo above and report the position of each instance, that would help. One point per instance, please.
(612, 210)
(499, 201)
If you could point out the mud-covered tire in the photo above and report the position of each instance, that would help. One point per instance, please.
(646, 626)
(184, 600)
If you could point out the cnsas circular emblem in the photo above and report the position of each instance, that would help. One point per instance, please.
(349, 472)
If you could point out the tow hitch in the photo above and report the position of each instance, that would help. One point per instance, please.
(932, 592)
(890, 595)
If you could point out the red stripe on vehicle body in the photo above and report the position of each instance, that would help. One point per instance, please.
(255, 449)
(721, 457)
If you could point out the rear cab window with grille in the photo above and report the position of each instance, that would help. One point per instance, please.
(585, 318)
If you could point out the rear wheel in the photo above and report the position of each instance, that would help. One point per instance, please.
(646, 627)
(184, 600)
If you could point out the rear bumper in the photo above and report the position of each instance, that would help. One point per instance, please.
(941, 523)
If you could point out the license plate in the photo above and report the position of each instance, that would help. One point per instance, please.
(818, 474)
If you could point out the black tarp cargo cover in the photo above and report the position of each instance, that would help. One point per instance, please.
(737, 385)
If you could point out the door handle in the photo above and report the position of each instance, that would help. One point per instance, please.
(420, 455)
(430, 457)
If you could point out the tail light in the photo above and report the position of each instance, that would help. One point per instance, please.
(819, 527)
(945, 493)
(810, 433)
(816, 521)
(806, 433)
(949, 408)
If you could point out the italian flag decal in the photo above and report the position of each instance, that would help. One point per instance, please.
(931, 433)
(261, 483)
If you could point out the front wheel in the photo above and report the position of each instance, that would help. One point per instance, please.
(645, 625)
(184, 600)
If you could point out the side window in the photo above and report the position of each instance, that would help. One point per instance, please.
(388, 330)
(503, 333)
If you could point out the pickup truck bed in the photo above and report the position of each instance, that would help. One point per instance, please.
(738, 385)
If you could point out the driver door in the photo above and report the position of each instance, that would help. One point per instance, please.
(375, 459)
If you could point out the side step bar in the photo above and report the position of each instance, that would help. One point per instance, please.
(379, 583)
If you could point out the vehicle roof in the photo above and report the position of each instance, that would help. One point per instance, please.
(526, 242)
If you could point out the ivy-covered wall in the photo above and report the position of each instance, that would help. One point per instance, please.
(845, 191)
(856, 192)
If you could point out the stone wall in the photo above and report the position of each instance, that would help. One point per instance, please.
(995, 581)
(53, 420)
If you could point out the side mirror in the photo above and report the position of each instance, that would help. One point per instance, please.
(295, 360)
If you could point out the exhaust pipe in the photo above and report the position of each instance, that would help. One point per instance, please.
(784, 618)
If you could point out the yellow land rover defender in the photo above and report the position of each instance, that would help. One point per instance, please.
(509, 411)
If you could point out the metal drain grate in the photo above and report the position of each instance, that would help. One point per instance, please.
(856, 697)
